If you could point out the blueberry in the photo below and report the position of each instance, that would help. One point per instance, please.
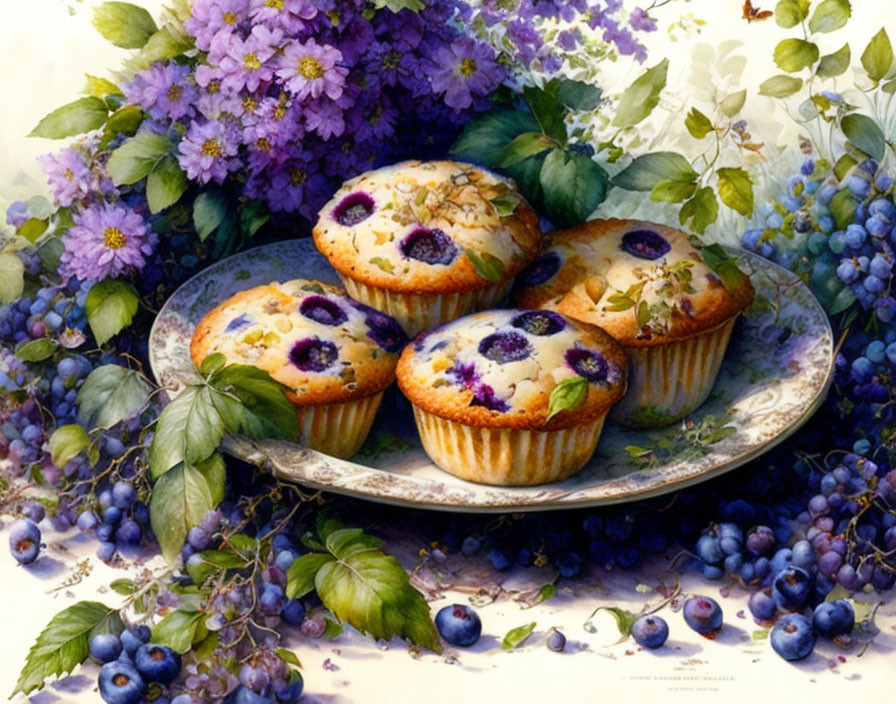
(313, 354)
(292, 692)
(484, 395)
(120, 683)
(588, 364)
(244, 695)
(834, 618)
(34, 510)
(111, 515)
(157, 663)
(238, 322)
(294, 612)
(793, 637)
(650, 632)
(539, 322)
(792, 587)
(182, 699)
(458, 624)
(540, 270)
(255, 678)
(106, 550)
(505, 346)
(87, 521)
(762, 605)
(760, 541)
(284, 560)
(322, 310)
(105, 647)
(123, 495)
(708, 549)
(645, 244)
(555, 641)
(271, 599)
(384, 330)
(128, 533)
(24, 541)
(429, 246)
(134, 637)
(704, 615)
(354, 208)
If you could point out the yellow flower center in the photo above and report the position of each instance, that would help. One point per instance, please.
(262, 144)
(279, 112)
(310, 68)
(250, 104)
(391, 59)
(297, 176)
(213, 87)
(229, 18)
(69, 174)
(276, 4)
(114, 238)
(175, 92)
(251, 62)
(467, 67)
(212, 147)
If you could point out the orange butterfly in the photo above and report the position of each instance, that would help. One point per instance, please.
(753, 14)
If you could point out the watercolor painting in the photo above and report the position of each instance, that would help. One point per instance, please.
(173, 535)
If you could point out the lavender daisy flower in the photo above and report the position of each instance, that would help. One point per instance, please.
(310, 70)
(292, 16)
(325, 118)
(244, 62)
(292, 186)
(164, 90)
(69, 175)
(210, 17)
(106, 241)
(208, 152)
(464, 70)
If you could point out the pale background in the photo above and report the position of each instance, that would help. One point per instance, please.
(46, 47)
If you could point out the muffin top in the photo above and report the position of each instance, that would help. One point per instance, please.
(646, 284)
(528, 369)
(309, 336)
(428, 227)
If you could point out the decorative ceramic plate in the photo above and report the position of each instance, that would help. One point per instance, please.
(776, 373)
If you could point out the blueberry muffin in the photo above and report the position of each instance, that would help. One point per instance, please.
(667, 299)
(512, 397)
(333, 355)
(428, 242)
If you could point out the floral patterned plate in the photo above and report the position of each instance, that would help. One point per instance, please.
(776, 373)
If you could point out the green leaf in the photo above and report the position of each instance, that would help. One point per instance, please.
(177, 630)
(843, 205)
(110, 307)
(488, 266)
(137, 157)
(190, 429)
(79, 116)
(383, 264)
(209, 210)
(843, 166)
(864, 134)
(67, 442)
(698, 124)
(526, 174)
(165, 184)
(111, 394)
(642, 96)
(484, 138)
(101, 87)
(63, 644)
(225, 559)
(732, 104)
(37, 350)
(301, 574)
(878, 56)
(332, 629)
(124, 121)
(760, 634)
(213, 363)
(834, 64)
(167, 43)
(269, 414)
(522, 147)
(889, 87)
(12, 277)
(624, 619)
(180, 499)
(700, 211)
(646, 171)
(717, 259)
(253, 214)
(573, 185)
(736, 190)
(371, 591)
(288, 657)
(794, 55)
(643, 315)
(516, 636)
(125, 25)
(125, 587)
(33, 229)
(780, 86)
(505, 205)
(577, 95)
(789, 13)
(549, 112)
(567, 395)
(399, 5)
(672, 191)
(830, 15)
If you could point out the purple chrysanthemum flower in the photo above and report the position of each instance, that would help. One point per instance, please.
(269, 130)
(164, 90)
(465, 69)
(325, 118)
(641, 21)
(292, 16)
(208, 152)
(69, 175)
(292, 186)
(311, 70)
(106, 241)
(244, 63)
(379, 121)
(211, 17)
